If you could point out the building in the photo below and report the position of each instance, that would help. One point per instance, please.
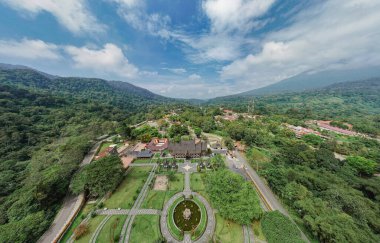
(325, 125)
(158, 144)
(301, 131)
(144, 154)
(188, 149)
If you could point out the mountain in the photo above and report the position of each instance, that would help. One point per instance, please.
(120, 94)
(307, 81)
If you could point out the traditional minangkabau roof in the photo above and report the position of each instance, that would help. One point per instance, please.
(188, 147)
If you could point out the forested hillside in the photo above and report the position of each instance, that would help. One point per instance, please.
(355, 102)
(116, 93)
(46, 128)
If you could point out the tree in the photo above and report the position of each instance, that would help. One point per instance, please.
(234, 197)
(197, 131)
(99, 177)
(362, 165)
(229, 143)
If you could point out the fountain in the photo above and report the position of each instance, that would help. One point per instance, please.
(187, 215)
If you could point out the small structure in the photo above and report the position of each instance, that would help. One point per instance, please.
(188, 149)
(301, 131)
(158, 144)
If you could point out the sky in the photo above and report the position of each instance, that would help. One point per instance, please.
(190, 48)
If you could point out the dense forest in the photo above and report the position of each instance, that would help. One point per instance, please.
(46, 127)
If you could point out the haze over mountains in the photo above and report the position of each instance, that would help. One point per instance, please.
(299, 83)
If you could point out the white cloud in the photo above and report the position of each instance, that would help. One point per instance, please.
(72, 14)
(329, 35)
(109, 59)
(236, 15)
(176, 70)
(29, 49)
(194, 76)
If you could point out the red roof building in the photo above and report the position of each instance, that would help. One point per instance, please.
(158, 144)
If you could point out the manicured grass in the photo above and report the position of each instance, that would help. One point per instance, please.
(142, 161)
(126, 193)
(257, 231)
(176, 233)
(228, 231)
(112, 228)
(83, 213)
(145, 229)
(169, 194)
(197, 182)
(178, 183)
(154, 199)
(203, 223)
(92, 225)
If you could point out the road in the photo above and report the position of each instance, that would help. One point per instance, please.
(265, 192)
(70, 206)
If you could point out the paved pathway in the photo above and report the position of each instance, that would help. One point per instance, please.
(70, 207)
(187, 190)
(127, 227)
(128, 212)
(99, 228)
(163, 220)
(248, 234)
(210, 228)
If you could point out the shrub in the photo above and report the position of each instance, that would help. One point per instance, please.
(81, 230)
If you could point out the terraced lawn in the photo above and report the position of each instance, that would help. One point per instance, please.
(228, 231)
(126, 194)
(112, 229)
(145, 229)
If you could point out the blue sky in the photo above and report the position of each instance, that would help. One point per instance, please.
(190, 48)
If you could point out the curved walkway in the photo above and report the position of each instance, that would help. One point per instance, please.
(210, 228)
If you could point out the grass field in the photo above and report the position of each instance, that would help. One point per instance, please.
(154, 199)
(145, 229)
(142, 161)
(125, 194)
(170, 221)
(197, 182)
(87, 208)
(228, 231)
(112, 228)
(203, 223)
(177, 184)
(92, 225)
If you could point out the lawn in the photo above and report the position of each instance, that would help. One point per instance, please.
(81, 215)
(112, 228)
(228, 231)
(170, 221)
(145, 229)
(125, 195)
(154, 199)
(142, 161)
(92, 225)
(177, 183)
(197, 182)
(203, 223)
